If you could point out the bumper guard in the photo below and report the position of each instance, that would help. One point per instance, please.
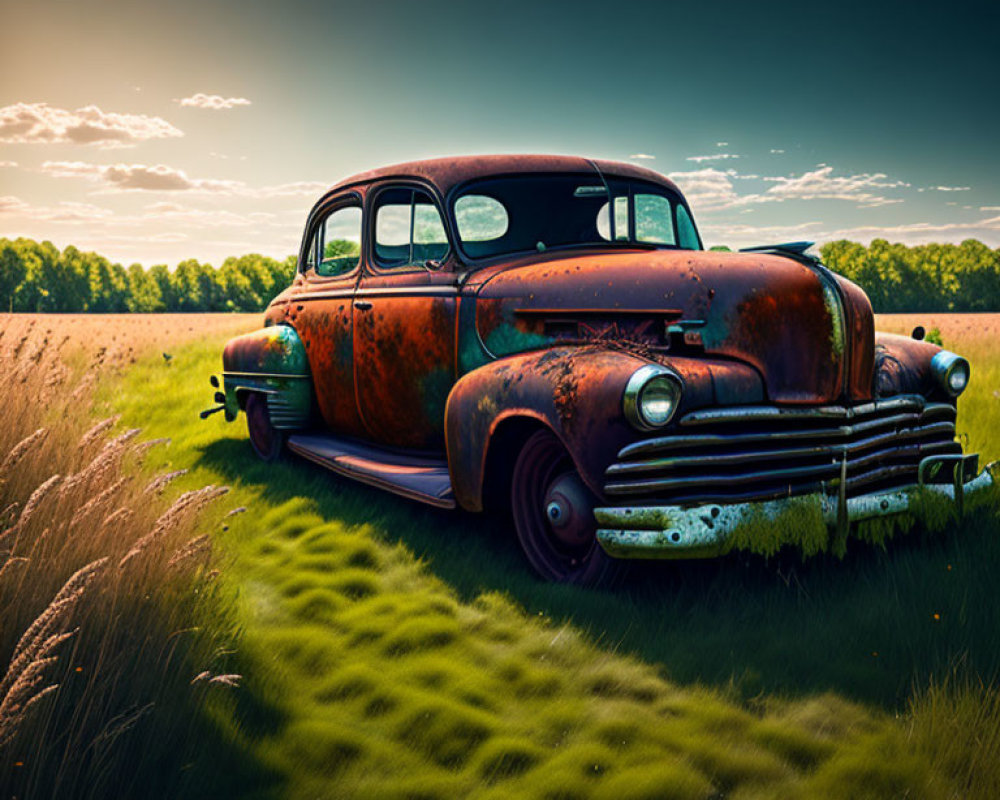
(704, 530)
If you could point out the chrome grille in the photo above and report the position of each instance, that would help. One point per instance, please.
(765, 452)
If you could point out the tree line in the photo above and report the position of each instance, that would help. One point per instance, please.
(36, 276)
(928, 277)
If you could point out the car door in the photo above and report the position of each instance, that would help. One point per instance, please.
(322, 313)
(404, 320)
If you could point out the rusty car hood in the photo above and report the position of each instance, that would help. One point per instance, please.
(808, 332)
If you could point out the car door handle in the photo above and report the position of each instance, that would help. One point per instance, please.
(362, 305)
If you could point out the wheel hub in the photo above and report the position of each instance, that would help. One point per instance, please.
(569, 511)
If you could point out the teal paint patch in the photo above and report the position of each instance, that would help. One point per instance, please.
(276, 349)
(434, 390)
(471, 353)
(506, 340)
(271, 361)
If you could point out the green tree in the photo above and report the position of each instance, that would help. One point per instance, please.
(12, 273)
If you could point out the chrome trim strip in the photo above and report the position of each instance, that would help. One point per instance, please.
(711, 440)
(264, 375)
(770, 413)
(334, 294)
(711, 459)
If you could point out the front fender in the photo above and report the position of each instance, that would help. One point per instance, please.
(903, 366)
(271, 361)
(576, 391)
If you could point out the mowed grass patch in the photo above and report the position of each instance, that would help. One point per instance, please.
(415, 650)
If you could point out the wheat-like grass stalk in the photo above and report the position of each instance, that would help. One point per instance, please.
(12, 562)
(21, 449)
(140, 448)
(188, 503)
(20, 688)
(97, 431)
(119, 517)
(160, 482)
(198, 546)
(97, 502)
(39, 636)
(30, 508)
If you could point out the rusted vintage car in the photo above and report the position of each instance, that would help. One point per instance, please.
(547, 335)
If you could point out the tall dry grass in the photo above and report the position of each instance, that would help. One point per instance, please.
(109, 607)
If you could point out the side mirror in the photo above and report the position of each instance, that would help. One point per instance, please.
(432, 264)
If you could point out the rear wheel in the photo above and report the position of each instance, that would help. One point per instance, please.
(267, 441)
(553, 516)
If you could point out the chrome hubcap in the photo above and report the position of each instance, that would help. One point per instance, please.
(569, 511)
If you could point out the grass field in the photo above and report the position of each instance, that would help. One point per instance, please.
(392, 650)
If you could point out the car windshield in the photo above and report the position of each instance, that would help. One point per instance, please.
(535, 213)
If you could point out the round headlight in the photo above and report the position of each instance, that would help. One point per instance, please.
(651, 397)
(951, 371)
(958, 378)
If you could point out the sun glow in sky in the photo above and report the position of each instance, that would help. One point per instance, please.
(153, 132)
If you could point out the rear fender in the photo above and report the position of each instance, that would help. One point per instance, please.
(271, 361)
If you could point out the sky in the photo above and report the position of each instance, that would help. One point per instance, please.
(153, 132)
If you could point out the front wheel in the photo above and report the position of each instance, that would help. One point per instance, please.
(267, 441)
(553, 516)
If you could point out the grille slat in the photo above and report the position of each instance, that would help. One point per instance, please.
(763, 452)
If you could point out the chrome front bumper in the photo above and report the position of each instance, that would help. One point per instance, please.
(705, 530)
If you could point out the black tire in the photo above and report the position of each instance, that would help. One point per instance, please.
(267, 441)
(553, 516)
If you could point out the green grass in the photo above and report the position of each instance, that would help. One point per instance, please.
(408, 652)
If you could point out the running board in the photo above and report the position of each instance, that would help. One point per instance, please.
(423, 479)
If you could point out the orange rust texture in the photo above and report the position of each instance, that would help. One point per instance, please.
(765, 310)
(405, 366)
(577, 392)
(788, 338)
(325, 328)
(861, 337)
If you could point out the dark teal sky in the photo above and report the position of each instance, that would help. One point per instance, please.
(854, 119)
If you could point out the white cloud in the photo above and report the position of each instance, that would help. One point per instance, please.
(742, 235)
(10, 204)
(822, 184)
(722, 144)
(213, 102)
(41, 123)
(951, 188)
(716, 157)
(776, 151)
(642, 156)
(989, 208)
(139, 177)
(8, 163)
(161, 178)
(296, 189)
(66, 212)
(711, 189)
(154, 215)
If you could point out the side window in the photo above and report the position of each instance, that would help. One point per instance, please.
(652, 219)
(339, 242)
(620, 220)
(685, 227)
(408, 229)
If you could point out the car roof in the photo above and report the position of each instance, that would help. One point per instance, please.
(446, 173)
